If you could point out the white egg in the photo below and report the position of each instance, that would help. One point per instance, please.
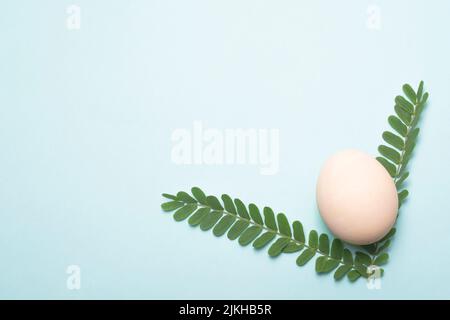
(357, 197)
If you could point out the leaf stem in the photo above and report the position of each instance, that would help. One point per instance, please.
(399, 167)
(409, 127)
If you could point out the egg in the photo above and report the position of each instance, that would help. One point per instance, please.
(356, 197)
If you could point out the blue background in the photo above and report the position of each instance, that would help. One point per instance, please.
(86, 119)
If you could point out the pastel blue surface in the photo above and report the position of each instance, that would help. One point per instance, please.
(86, 118)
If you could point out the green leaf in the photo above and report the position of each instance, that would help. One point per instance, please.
(391, 169)
(403, 167)
(241, 209)
(237, 229)
(419, 109)
(398, 125)
(337, 249)
(353, 275)
(305, 256)
(402, 114)
(210, 220)
(362, 270)
(185, 197)
(408, 151)
(381, 259)
(401, 179)
(424, 98)
(277, 247)
(223, 225)
(394, 140)
(420, 91)
(293, 247)
(269, 219)
(341, 272)
(412, 136)
(197, 217)
(169, 196)
(362, 259)
(324, 244)
(214, 203)
(370, 248)
(320, 262)
(228, 204)
(404, 104)
(184, 212)
(325, 265)
(255, 214)
(171, 205)
(406, 157)
(313, 239)
(409, 92)
(347, 257)
(383, 247)
(199, 195)
(389, 235)
(283, 225)
(264, 239)
(402, 195)
(389, 153)
(249, 235)
(299, 234)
